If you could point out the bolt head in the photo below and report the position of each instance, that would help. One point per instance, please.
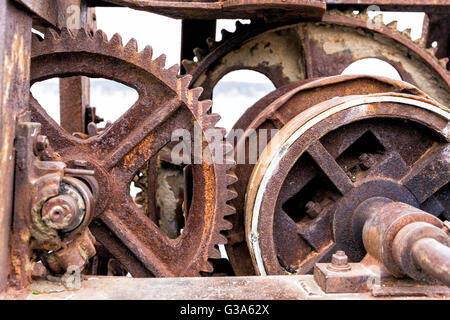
(367, 161)
(59, 212)
(313, 209)
(339, 262)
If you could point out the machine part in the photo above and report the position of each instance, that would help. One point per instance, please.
(271, 113)
(163, 185)
(400, 240)
(286, 52)
(407, 241)
(339, 262)
(228, 9)
(70, 208)
(116, 154)
(74, 254)
(315, 156)
(55, 216)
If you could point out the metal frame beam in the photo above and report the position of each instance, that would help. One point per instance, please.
(15, 52)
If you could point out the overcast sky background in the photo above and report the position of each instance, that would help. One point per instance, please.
(241, 88)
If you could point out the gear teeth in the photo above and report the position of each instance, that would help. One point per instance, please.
(226, 225)
(51, 34)
(147, 52)
(421, 42)
(66, 33)
(231, 178)
(195, 93)
(206, 106)
(189, 65)
(229, 163)
(220, 239)
(407, 33)
(190, 97)
(83, 35)
(214, 253)
(132, 45)
(393, 25)
(229, 210)
(363, 15)
(183, 82)
(231, 194)
(444, 62)
(116, 40)
(211, 43)
(101, 36)
(378, 19)
(432, 50)
(160, 61)
(173, 70)
(213, 118)
(228, 147)
(208, 267)
(200, 53)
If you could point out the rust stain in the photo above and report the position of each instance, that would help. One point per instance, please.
(143, 149)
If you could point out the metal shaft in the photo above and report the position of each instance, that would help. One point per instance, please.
(433, 258)
(407, 240)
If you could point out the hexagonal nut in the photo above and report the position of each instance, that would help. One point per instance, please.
(339, 262)
(339, 258)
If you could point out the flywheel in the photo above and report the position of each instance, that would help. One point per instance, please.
(269, 115)
(328, 160)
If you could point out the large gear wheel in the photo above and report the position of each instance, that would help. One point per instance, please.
(273, 112)
(117, 154)
(327, 162)
(287, 52)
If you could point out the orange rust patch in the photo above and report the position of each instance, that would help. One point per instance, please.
(143, 149)
(208, 173)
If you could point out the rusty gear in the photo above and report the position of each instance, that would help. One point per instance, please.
(116, 154)
(288, 51)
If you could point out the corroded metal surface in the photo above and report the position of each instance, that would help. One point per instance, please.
(272, 112)
(226, 9)
(340, 158)
(15, 51)
(287, 52)
(164, 104)
(222, 288)
(321, 148)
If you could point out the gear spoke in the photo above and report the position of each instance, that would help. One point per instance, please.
(330, 167)
(430, 173)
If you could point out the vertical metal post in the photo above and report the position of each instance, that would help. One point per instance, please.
(74, 92)
(15, 53)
